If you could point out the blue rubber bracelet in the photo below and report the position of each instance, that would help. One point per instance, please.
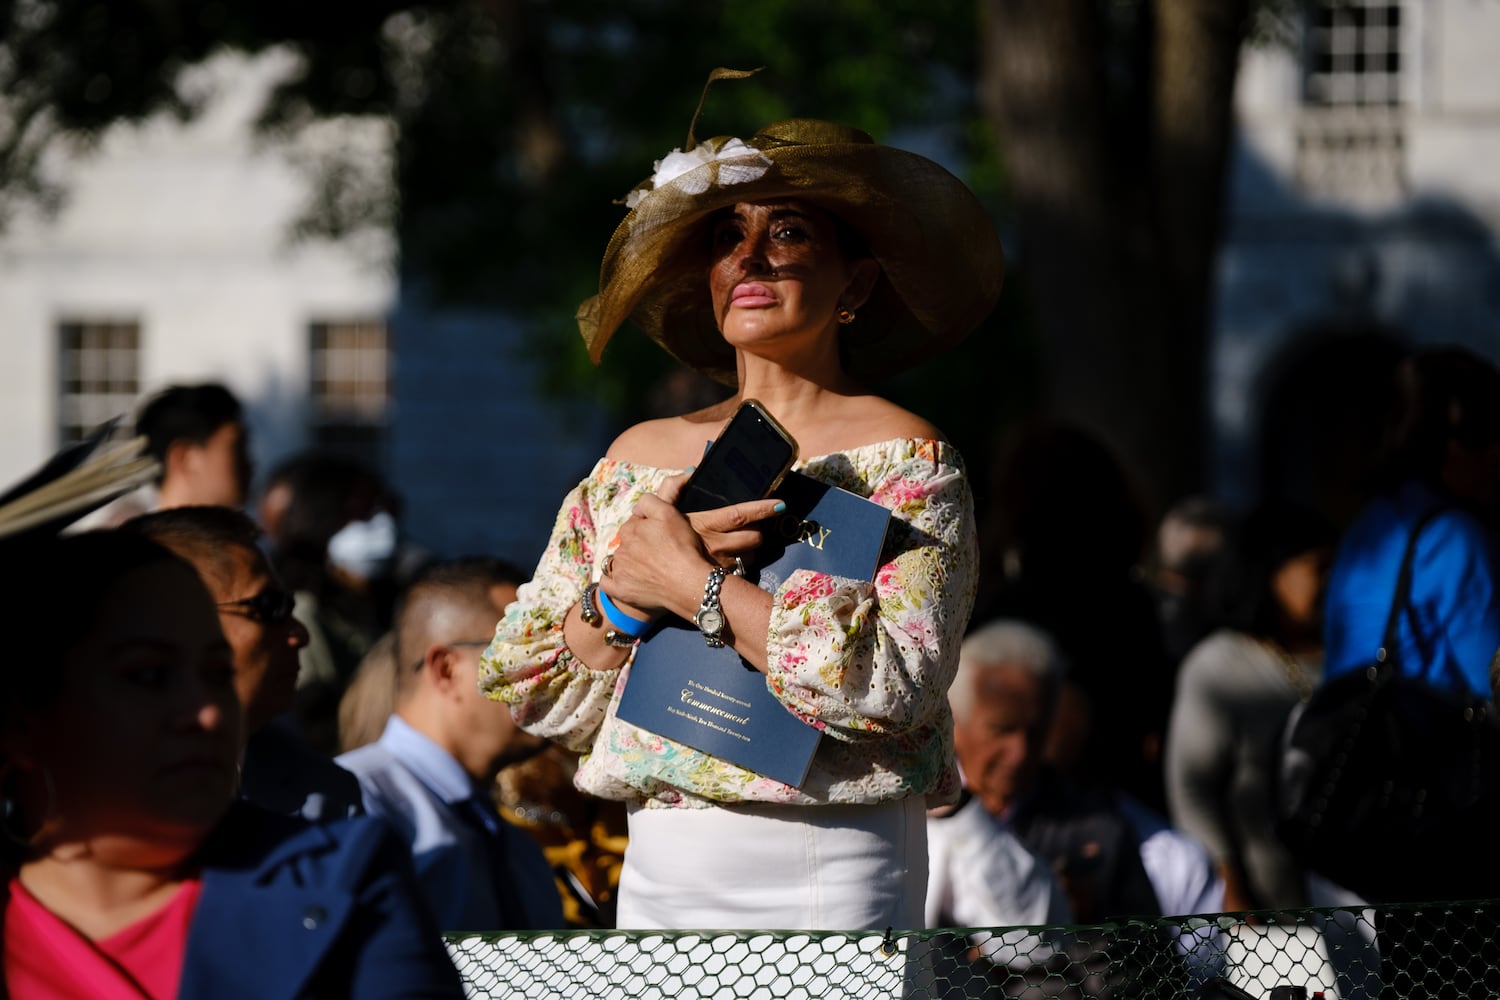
(629, 624)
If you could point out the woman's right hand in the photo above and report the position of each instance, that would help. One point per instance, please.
(663, 556)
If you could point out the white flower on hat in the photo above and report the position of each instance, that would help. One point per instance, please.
(738, 164)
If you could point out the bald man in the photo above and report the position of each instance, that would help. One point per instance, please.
(431, 772)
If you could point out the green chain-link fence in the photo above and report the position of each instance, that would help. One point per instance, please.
(1419, 951)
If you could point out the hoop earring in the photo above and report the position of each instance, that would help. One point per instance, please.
(845, 316)
(11, 811)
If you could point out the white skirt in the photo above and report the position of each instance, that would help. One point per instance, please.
(771, 867)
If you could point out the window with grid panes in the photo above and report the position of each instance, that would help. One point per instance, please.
(1351, 132)
(98, 374)
(1353, 53)
(350, 388)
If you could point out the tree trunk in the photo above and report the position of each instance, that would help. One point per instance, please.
(1119, 204)
(541, 146)
(1197, 52)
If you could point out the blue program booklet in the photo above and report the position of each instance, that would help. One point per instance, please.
(713, 700)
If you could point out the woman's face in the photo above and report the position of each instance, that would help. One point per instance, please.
(142, 739)
(1298, 585)
(778, 277)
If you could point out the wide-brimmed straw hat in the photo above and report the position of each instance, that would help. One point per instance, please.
(940, 259)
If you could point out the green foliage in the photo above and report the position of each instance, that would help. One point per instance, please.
(519, 123)
(619, 83)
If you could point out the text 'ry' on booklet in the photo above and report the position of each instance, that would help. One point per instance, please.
(714, 701)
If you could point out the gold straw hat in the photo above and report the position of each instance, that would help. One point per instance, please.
(939, 256)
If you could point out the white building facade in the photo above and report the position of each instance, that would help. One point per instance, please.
(1364, 218)
(173, 261)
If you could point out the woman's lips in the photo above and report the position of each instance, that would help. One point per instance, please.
(751, 295)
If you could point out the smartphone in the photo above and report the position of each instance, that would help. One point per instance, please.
(746, 462)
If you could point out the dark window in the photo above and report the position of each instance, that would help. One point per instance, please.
(350, 365)
(98, 374)
(1353, 53)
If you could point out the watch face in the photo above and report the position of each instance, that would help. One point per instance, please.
(710, 621)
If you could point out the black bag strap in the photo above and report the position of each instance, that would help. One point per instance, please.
(1400, 600)
(1378, 675)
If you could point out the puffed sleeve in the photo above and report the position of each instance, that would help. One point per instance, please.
(528, 664)
(865, 660)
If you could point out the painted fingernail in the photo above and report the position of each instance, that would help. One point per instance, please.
(780, 506)
(689, 470)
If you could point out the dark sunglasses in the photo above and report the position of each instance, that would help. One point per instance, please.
(269, 607)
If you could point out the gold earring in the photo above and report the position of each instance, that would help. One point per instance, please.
(845, 316)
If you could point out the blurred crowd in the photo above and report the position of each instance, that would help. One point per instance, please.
(1122, 697)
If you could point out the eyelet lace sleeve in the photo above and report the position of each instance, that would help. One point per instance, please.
(528, 664)
(869, 660)
(869, 663)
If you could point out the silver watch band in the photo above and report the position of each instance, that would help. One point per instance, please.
(710, 616)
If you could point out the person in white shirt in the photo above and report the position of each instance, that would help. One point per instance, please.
(980, 874)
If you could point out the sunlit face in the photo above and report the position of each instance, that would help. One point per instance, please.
(778, 277)
(1000, 743)
(265, 651)
(1297, 585)
(220, 467)
(273, 507)
(142, 740)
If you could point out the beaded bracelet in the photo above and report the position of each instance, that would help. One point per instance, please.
(588, 608)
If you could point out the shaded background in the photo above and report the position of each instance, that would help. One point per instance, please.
(1224, 221)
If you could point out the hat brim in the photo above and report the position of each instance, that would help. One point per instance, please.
(941, 262)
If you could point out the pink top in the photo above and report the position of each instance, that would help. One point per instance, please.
(47, 959)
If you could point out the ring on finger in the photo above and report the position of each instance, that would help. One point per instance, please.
(609, 561)
(739, 566)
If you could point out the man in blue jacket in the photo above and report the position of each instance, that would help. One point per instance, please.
(432, 771)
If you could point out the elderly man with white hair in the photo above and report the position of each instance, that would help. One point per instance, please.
(980, 874)
(1110, 860)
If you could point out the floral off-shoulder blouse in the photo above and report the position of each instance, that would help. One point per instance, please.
(868, 663)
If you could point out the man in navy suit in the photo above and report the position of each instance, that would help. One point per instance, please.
(431, 772)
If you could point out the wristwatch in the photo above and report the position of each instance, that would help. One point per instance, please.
(588, 610)
(710, 617)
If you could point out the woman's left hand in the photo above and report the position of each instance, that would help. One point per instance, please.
(726, 533)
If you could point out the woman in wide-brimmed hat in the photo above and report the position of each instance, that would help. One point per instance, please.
(798, 266)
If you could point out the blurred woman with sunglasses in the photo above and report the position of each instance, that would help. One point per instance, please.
(133, 871)
(279, 770)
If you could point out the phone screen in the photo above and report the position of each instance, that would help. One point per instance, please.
(745, 463)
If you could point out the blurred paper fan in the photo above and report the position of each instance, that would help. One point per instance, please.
(77, 480)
